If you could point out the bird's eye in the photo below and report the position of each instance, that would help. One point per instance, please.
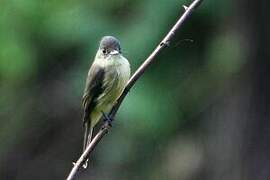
(104, 51)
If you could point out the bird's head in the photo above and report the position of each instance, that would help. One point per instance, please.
(109, 45)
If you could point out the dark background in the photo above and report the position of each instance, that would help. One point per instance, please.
(201, 111)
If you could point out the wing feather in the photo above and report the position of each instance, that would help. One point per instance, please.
(93, 88)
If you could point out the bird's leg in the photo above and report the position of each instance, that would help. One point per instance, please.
(107, 119)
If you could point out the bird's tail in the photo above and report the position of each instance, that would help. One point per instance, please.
(88, 131)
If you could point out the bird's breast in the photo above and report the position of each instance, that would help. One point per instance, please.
(117, 73)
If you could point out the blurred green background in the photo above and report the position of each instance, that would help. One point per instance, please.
(200, 111)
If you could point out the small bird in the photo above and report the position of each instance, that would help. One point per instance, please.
(106, 80)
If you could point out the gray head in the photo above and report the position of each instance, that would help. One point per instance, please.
(109, 45)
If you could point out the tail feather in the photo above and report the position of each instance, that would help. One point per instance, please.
(88, 131)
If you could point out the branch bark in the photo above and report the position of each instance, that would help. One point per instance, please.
(139, 72)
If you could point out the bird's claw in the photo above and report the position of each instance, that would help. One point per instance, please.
(107, 119)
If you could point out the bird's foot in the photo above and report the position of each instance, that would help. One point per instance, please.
(107, 119)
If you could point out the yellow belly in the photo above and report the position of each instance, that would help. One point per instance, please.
(115, 80)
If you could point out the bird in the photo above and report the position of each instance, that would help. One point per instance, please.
(105, 82)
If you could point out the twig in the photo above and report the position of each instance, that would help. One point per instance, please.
(139, 72)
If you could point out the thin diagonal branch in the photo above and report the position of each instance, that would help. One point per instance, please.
(139, 72)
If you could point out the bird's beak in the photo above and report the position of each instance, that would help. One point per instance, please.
(114, 52)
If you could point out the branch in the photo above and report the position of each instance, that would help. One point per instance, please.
(139, 72)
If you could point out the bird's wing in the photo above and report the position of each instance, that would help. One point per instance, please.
(93, 88)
